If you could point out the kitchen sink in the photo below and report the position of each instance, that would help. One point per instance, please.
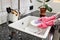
(25, 26)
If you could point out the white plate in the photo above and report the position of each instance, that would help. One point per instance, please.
(35, 22)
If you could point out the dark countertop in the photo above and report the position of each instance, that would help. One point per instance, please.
(36, 13)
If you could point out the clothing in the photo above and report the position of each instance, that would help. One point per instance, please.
(46, 21)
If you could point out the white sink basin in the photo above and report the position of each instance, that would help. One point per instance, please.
(25, 26)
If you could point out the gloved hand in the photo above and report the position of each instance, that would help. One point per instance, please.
(46, 19)
(49, 21)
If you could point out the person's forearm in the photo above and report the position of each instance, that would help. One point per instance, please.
(57, 15)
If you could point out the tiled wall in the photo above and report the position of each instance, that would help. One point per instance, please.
(54, 5)
(3, 5)
(25, 5)
(3, 17)
(8, 3)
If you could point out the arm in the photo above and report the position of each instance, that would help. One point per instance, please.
(57, 15)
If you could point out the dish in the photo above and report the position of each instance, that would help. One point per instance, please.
(35, 22)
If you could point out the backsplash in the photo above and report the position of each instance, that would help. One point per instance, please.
(3, 13)
(3, 17)
(28, 6)
(25, 5)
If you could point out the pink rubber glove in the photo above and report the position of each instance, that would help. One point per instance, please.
(50, 23)
(46, 24)
(42, 25)
(52, 18)
(46, 19)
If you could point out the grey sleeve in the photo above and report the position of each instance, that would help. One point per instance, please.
(57, 15)
(57, 22)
